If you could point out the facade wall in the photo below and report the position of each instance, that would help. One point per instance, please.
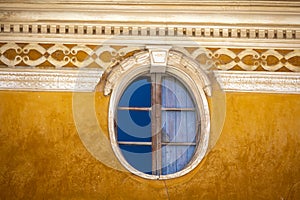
(58, 56)
(43, 157)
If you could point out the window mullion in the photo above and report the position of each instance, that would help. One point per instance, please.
(156, 124)
(153, 125)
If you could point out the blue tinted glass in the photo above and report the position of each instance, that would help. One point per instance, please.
(178, 125)
(138, 156)
(137, 94)
(134, 126)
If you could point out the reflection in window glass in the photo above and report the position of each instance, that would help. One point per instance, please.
(137, 94)
(140, 157)
(177, 136)
(134, 126)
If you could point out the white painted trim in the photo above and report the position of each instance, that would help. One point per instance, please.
(177, 65)
(261, 82)
(49, 80)
(87, 79)
(231, 12)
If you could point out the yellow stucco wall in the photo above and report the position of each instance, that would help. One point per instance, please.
(42, 157)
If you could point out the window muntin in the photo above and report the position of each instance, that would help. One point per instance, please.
(157, 119)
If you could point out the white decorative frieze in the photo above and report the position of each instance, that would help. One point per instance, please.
(49, 80)
(262, 82)
(87, 80)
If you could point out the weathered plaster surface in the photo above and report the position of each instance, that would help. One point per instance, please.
(42, 156)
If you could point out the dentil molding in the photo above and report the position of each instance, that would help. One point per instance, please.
(210, 23)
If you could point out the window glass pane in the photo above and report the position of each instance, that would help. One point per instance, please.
(169, 126)
(134, 126)
(137, 94)
(184, 155)
(178, 123)
(168, 159)
(139, 157)
(175, 158)
(175, 94)
(178, 126)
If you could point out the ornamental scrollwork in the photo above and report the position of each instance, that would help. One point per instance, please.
(77, 56)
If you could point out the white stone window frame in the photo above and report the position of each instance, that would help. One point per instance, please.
(182, 68)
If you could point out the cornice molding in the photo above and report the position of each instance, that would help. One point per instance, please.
(86, 80)
(208, 23)
(153, 5)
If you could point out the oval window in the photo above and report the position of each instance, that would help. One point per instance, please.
(157, 126)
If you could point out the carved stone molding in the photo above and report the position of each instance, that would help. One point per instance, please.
(175, 61)
(210, 23)
(86, 80)
(153, 11)
(204, 31)
(207, 35)
(49, 80)
(262, 82)
(158, 58)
